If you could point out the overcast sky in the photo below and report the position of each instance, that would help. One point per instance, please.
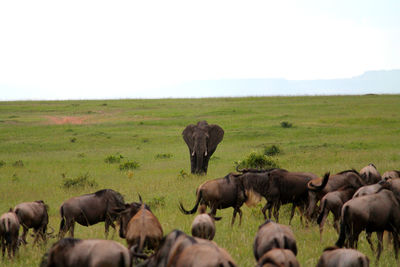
(129, 49)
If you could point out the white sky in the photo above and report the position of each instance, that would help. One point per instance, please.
(117, 49)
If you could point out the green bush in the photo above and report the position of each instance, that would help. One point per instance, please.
(163, 156)
(113, 159)
(18, 163)
(271, 150)
(182, 174)
(129, 165)
(286, 124)
(156, 202)
(257, 161)
(80, 181)
(2, 163)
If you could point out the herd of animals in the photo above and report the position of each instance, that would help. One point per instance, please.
(359, 201)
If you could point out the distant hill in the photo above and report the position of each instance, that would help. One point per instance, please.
(371, 82)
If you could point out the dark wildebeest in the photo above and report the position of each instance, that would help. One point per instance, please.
(331, 183)
(203, 225)
(33, 215)
(273, 235)
(333, 202)
(220, 193)
(102, 206)
(278, 186)
(342, 257)
(9, 229)
(391, 174)
(370, 174)
(71, 252)
(173, 245)
(373, 213)
(142, 230)
(202, 140)
(278, 257)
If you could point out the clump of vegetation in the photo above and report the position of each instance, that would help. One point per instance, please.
(214, 158)
(256, 211)
(257, 161)
(129, 165)
(271, 150)
(15, 178)
(182, 174)
(129, 174)
(18, 163)
(286, 124)
(2, 163)
(80, 181)
(72, 139)
(163, 156)
(145, 140)
(81, 155)
(113, 158)
(156, 202)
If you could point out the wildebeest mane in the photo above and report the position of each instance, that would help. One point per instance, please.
(352, 170)
(116, 195)
(330, 248)
(45, 205)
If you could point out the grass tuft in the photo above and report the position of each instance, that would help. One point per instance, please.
(79, 182)
(257, 161)
(129, 165)
(286, 124)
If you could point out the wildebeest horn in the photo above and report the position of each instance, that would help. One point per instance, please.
(193, 153)
(140, 198)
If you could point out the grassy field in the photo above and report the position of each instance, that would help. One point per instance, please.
(44, 143)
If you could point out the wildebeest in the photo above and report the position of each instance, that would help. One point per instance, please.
(33, 215)
(9, 229)
(331, 183)
(391, 174)
(370, 174)
(333, 202)
(372, 213)
(273, 235)
(142, 230)
(220, 193)
(278, 186)
(71, 252)
(342, 257)
(101, 206)
(278, 257)
(203, 225)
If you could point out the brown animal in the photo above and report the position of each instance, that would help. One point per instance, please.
(367, 190)
(9, 229)
(273, 235)
(101, 206)
(391, 174)
(278, 186)
(142, 230)
(331, 183)
(33, 215)
(278, 257)
(71, 252)
(342, 257)
(333, 202)
(220, 193)
(202, 140)
(370, 174)
(373, 213)
(203, 225)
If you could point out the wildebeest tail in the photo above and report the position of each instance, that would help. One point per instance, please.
(184, 211)
(123, 262)
(321, 214)
(313, 187)
(62, 223)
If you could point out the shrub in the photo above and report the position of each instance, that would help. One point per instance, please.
(80, 181)
(72, 139)
(271, 150)
(2, 163)
(18, 163)
(163, 156)
(156, 202)
(286, 124)
(182, 174)
(257, 161)
(113, 159)
(129, 165)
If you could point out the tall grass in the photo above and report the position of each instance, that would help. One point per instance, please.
(329, 134)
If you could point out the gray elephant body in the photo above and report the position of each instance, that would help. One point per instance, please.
(202, 140)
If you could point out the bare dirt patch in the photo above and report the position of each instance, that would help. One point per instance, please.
(66, 119)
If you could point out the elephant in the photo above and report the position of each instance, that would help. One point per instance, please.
(202, 140)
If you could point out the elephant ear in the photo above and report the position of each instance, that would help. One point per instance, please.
(187, 135)
(216, 135)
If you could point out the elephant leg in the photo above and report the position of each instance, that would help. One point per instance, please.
(192, 163)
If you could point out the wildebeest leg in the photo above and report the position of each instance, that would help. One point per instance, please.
(240, 216)
(3, 246)
(322, 223)
(264, 209)
(379, 235)
(395, 244)
(369, 234)
(233, 216)
(292, 213)
(71, 229)
(276, 211)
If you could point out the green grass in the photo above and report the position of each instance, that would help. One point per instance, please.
(328, 134)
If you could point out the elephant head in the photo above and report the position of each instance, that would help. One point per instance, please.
(202, 140)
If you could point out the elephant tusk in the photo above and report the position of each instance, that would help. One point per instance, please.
(205, 154)
(193, 154)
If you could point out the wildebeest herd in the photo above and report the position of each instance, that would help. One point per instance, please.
(359, 201)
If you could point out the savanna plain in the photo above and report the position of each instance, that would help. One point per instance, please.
(54, 150)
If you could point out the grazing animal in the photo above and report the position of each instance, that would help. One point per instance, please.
(273, 235)
(391, 174)
(101, 206)
(33, 215)
(333, 202)
(372, 213)
(278, 186)
(203, 225)
(202, 140)
(342, 257)
(71, 252)
(9, 229)
(278, 257)
(367, 190)
(220, 193)
(142, 230)
(370, 174)
(331, 183)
